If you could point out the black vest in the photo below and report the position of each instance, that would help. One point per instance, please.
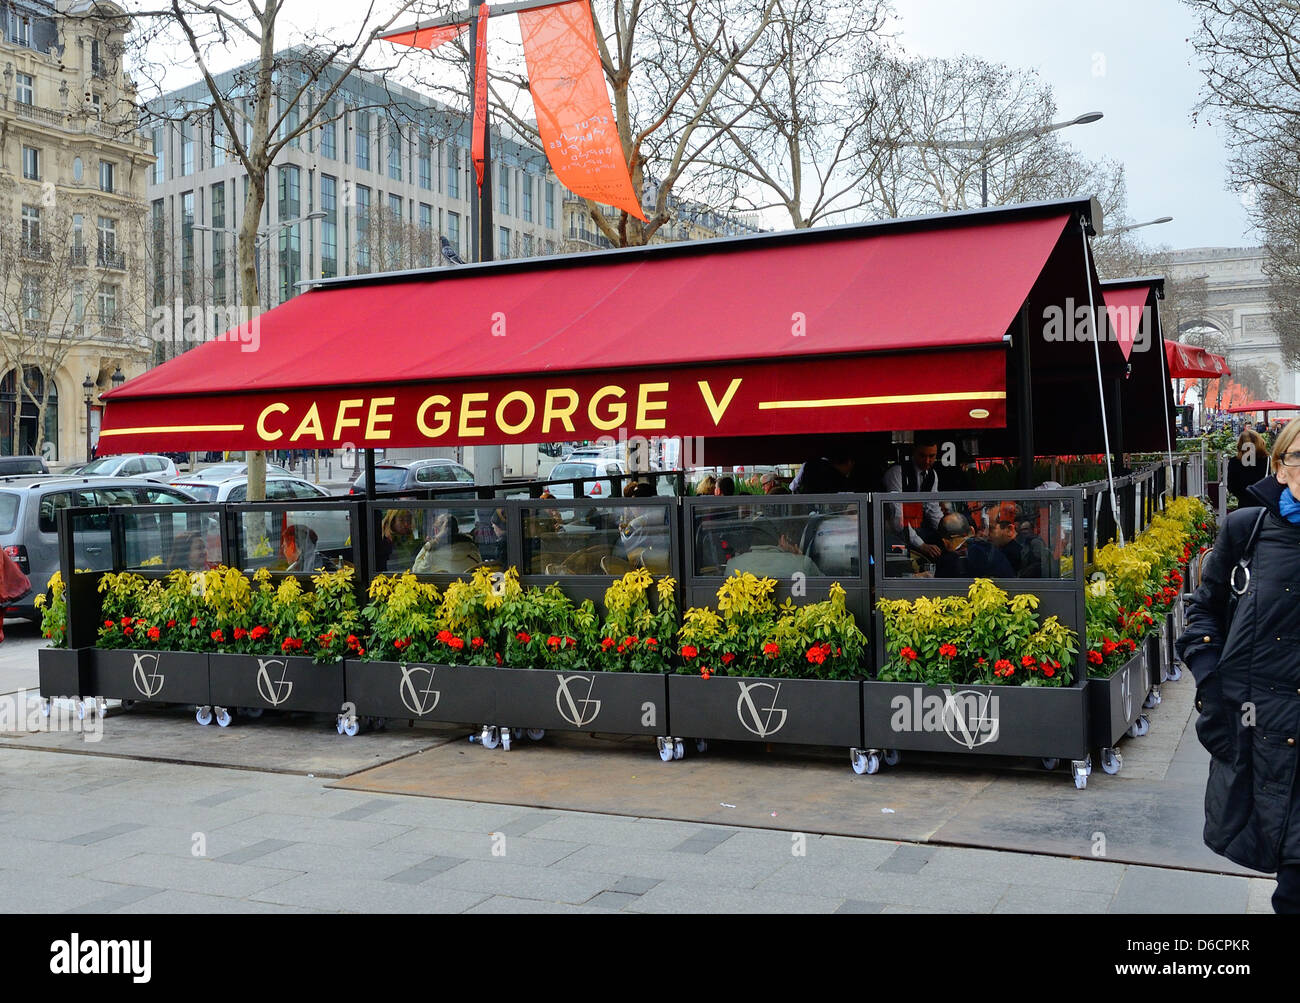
(909, 479)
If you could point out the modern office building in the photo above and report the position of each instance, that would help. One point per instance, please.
(73, 170)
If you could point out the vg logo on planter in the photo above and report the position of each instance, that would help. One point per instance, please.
(419, 699)
(574, 701)
(970, 718)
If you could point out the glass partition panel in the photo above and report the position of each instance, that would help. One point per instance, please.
(186, 537)
(92, 541)
(956, 539)
(608, 539)
(778, 540)
(295, 541)
(440, 541)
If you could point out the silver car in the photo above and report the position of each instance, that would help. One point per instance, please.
(29, 508)
(148, 465)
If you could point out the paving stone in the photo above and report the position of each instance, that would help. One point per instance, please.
(605, 830)
(669, 865)
(364, 810)
(369, 896)
(506, 905)
(612, 900)
(671, 897)
(634, 885)
(96, 835)
(424, 870)
(524, 824)
(198, 874)
(44, 892)
(876, 886)
(703, 841)
(127, 895)
(500, 877)
(906, 859)
(1090, 875)
(259, 849)
(480, 846)
(305, 829)
(1048, 901)
(193, 903)
(221, 797)
(857, 906)
(1259, 899)
(1156, 890)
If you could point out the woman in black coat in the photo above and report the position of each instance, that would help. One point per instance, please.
(1248, 467)
(1247, 670)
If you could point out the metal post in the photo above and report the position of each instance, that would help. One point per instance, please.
(370, 474)
(481, 223)
(1025, 390)
(984, 176)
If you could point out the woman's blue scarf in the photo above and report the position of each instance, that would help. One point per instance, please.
(1290, 507)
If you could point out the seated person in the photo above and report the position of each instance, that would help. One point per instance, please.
(772, 555)
(1036, 558)
(298, 551)
(966, 555)
(1002, 534)
(190, 553)
(396, 539)
(490, 537)
(448, 551)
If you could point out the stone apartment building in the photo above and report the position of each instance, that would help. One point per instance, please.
(373, 186)
(73, 171)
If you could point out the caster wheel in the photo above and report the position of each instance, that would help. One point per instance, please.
(204, 716)
(1111, 761)
(1080, 781)
(701, 746)
(1175, 673)
(667, 752)
(491, 736)
(128, 704)
(1153, 700)
(1140, 727)
(351, 727)
(517, 733)
(223, 717)
(251, 711)
(892, 757)
(505, 739)
(1087, 764)
(536, 734)
(338, 724)
(872, 764)
(858, 760)
(381, 724)
(679, 749)
(1050, 764)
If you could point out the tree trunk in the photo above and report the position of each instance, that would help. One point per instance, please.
(250, 294)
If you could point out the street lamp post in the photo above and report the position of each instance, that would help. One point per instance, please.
(88, 392)
(986, 145)
(1137, 226)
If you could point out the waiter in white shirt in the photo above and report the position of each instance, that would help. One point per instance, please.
(917, 476)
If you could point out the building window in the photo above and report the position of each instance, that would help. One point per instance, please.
(78, 303)
(289, 125)
(528, 245)
(78, 239)
(160, 152)
(329, 227)
(19, 28)
(106, 175)
(187, 246)
(31, 163)
(97, 67)
(503, 242)
(187, 148)
(426, 235)
(363, 140)
(526, 204)
(158, 227)
(426, 164)
(453, 231)
(32, 297)
(217, 150)
(289, 208)
(218, 243)
(107, 306)
(31, 229)
(453, 174)
(550, 205)
(26, 93)
(328, 135)
(363, 227)
(106, 231)
(395, 152)
(503, 189)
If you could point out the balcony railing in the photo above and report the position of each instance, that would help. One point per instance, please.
(109, 258)
(77, 121)
(77, 256)
(34, 250)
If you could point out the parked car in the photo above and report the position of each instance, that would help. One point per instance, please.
(223, 471)
(152, 466)
(262, 530)
(10, 465)
(588, 468)
(29, 509)
(403, 475)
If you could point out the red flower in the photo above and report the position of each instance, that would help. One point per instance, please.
(353, 641)
(445, 636)
(1108, 646)
(522, 638)
(981, 661)
(477, 642)
(909, 654)
(689, 651)
(553, 642)
(456, 643)
(771, 649)
(109, 625)
(126, 621)
(608, 643)
(326, 639)
(704, 673)
(498, 654)
(1128, 644)
(816, 656)
(194, 621)
(728, 658)
(154, 633)
(240, 633)
(171, 623)
(290, 644)
(948, 650)
(570, 642)
(217, 635)
(1003, 668)
(1028, 661)
(258, 632)
(1095, 658)
(400, 643)
(1049, 671)
(128, 631)
(651, 642)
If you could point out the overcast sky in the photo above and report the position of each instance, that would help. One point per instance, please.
(1130, 59)
(1147, 83)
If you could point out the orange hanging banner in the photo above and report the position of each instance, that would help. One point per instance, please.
(427, 38)
(573, 111)
(480, 95)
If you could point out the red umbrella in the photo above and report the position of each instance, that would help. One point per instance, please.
(1265, 406)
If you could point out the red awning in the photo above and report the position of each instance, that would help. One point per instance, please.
(1146, 398)
(832, 330)
(1253, 406)
(1126, 309)
(1189, 362)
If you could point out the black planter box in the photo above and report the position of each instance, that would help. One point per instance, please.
(276, 682)
(986, 720)
(457, 694)
(63, 672)
(1115, 703)
(746, 709)
(1154, 644)
(148, 676)
(1171, 636)
(615, 703)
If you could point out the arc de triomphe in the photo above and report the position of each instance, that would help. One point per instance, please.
(1238, 308)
